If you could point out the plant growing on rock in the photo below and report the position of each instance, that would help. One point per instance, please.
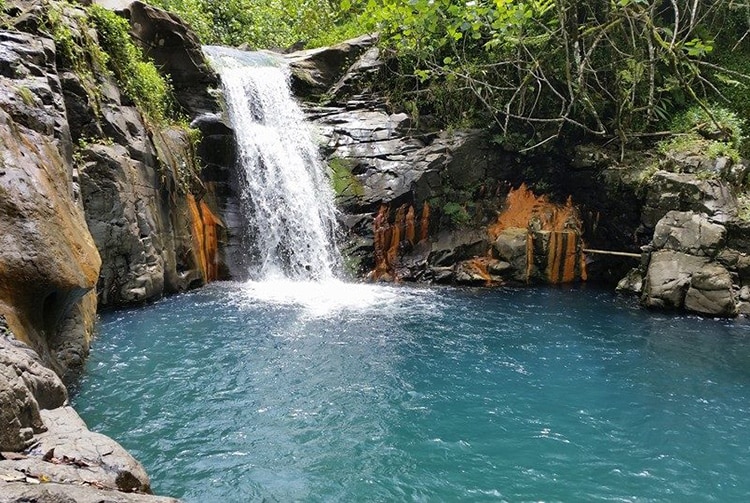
(138, 76)
(714, 132)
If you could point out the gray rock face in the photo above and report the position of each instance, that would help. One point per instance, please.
(314, 71)
(144, 239)
(511, 246)
(48, 262)
(690, 233)
(176, 50)
(686, 192)
(683, 273)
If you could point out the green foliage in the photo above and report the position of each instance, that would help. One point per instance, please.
(139, 77)
(548, 68)
(456, 213)
(343, 181)
(263, 23)
(77, 48)
(26, 96)
(711, 131)
(711, 122)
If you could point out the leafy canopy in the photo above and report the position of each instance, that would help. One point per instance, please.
(262, 23)
(608, 68)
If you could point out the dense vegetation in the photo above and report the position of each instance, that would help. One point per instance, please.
(533, 70)
(537, 69)
(266, 23)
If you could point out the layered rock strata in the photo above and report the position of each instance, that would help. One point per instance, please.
(97, 202)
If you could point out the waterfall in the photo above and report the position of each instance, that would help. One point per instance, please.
(285, 194)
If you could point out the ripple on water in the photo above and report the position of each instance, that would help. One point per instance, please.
(336, 392)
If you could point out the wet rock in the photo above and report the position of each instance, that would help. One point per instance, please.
(689, 232)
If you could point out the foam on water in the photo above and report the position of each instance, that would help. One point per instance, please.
(331, 298)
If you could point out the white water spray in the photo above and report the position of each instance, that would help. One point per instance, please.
(285, 194)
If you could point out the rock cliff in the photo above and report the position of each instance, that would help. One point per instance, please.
(463, 207)
(100, 206)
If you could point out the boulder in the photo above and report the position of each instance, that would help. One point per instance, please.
(21, 492)
(632, 283)
(176, 50)
(314, 71)
(66, 452)
(511, 246)
(710, 292)
(687, 192)
(689, 232)
(26, 387)
(668, 278)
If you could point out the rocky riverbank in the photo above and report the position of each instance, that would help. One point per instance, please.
(462, 207)
(100, 206)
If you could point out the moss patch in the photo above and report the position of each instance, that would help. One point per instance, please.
(345, 184)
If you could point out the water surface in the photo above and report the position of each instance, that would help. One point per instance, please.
(305, 392)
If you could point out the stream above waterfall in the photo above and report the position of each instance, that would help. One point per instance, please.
(284, 391)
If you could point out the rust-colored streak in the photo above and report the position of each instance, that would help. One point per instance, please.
(571, 256)
(411, 231)
(524, 209)
(424, 225)
(480, 267)
(205, 234)
(582, 262)
(381, 229)
(529, 255)
(553, 257)
(395, 239)
(553, 229)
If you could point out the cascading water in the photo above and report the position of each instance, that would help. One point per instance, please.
(285, 194)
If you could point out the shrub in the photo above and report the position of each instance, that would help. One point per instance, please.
(139, 77)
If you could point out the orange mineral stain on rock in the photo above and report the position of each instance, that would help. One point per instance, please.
(381, 229)
(480, 267)
(553, 242)
(524, 209)
(205, 233)
(389, 237)
(397, 230)
(411, 231)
